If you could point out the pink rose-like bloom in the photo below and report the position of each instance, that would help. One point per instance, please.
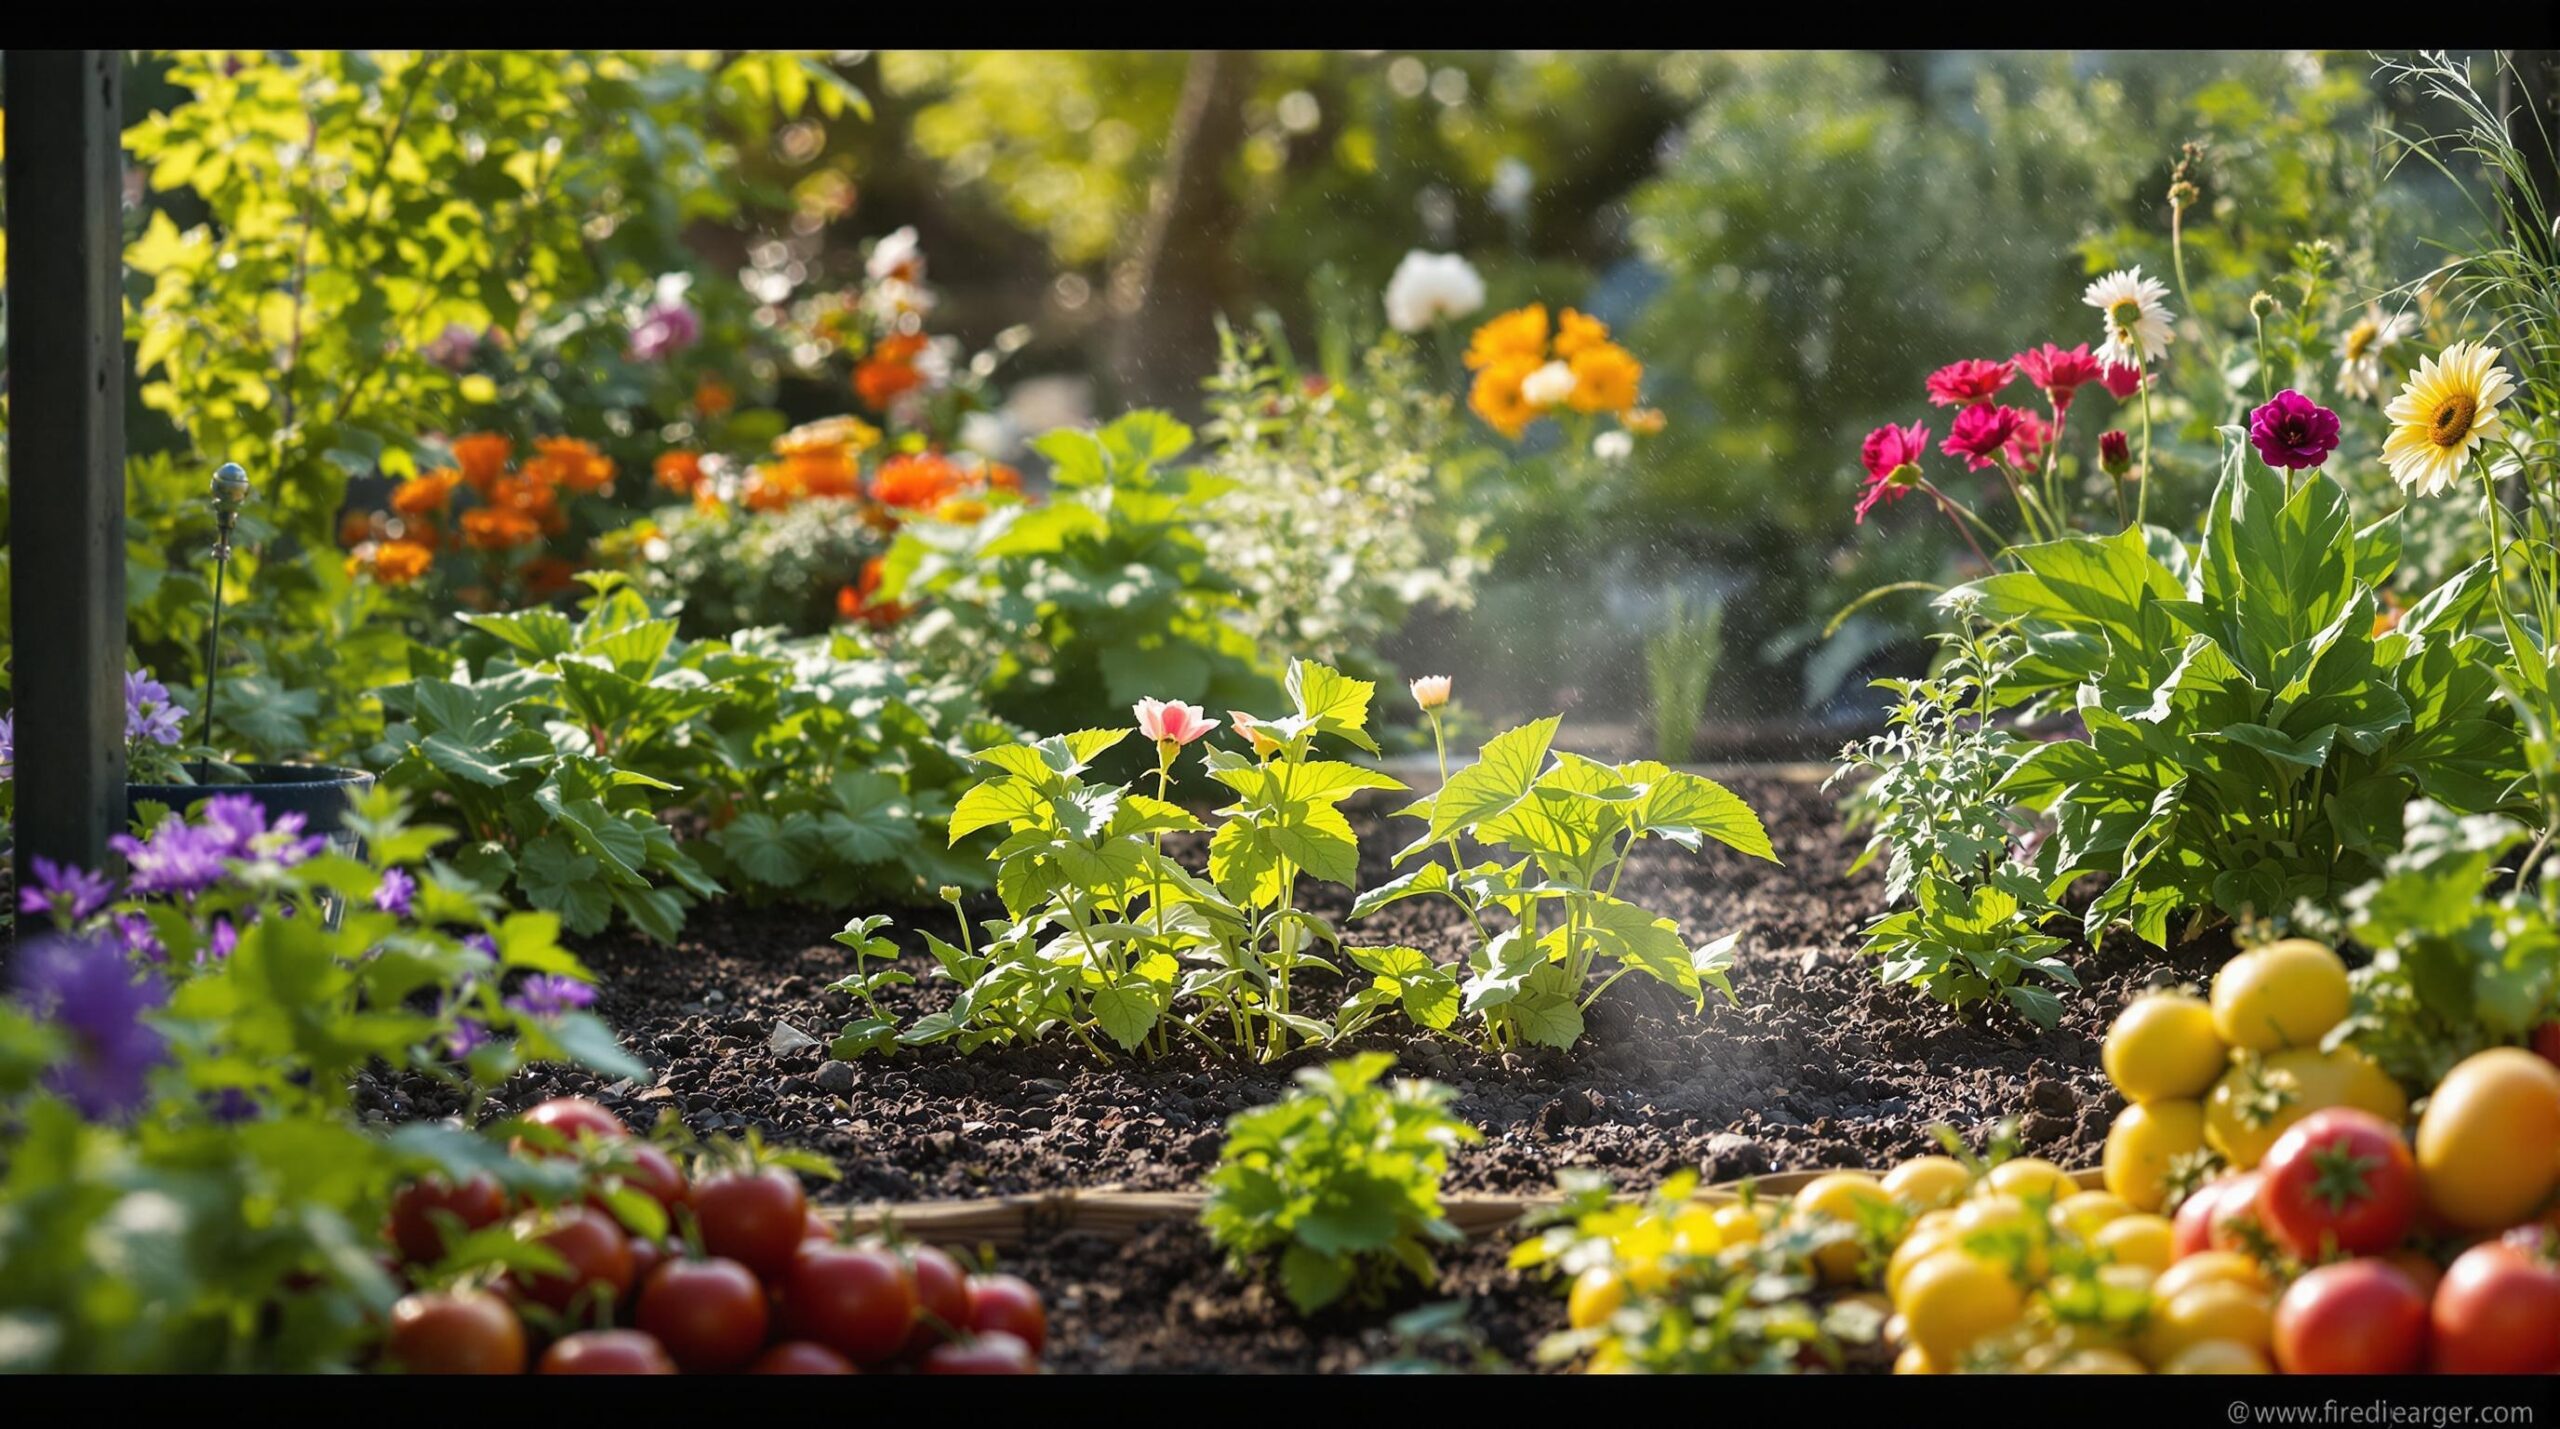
(1981, 434)
(2034, 439)
(1892, 457)
(667, 329)
(1162, 720)
(2059, 372)
(2120, 381)
(2115, 453)
(1970, 382)
(2293, 431)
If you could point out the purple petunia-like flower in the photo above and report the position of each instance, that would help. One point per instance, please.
(397, 893)
(70, 893)
(149, 713)
(87, 988)
(8, 745)
(467, 1037)
(551, 995)
(139, 939)
(2293, 432)
(176, 859)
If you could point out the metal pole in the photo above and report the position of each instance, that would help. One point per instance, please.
(65, 176)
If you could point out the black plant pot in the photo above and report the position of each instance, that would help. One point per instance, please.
(320, 793)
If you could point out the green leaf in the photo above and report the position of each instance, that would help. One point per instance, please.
(1502, 775)
(1333, 703)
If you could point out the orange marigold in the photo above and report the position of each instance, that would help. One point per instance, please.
(1496, 396)
(1517, 336)
(1576, 332)
(423, 496)
(1643, 421)
(857, 602)
(1604, 379)
(713, 397)
(499, 528)
(572, 462)
(916, 481)
(769, 488)
(828, 472)
(679, 471)
(393, 562)
(889, 370)
(483, 457)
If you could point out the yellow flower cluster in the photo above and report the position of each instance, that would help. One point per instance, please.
(1521, 375)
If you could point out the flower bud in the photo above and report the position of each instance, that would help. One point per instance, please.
(1431, 691)
(2115, 454)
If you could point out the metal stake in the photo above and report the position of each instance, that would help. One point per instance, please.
(230, 493)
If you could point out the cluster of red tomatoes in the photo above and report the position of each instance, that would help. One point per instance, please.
(2342, 1193)
(754, 1281)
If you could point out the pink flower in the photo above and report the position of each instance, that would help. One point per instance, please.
(1970, 382)
(2293, 431)
(2115, 454)
(1162, 720)
(2059, 372)
(2120, 381)
(1892, 457)
(1981, 434)
(2034, 439)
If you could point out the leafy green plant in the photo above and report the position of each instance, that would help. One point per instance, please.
(1570, 822)
(2254, 731)
(726, 568)
(1342, 1179)
(1681, 654)
(1931, 804)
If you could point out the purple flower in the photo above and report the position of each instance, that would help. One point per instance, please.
(228, 1105)
(70, 894)
(8, 745)
(149, 713)
(86, 987)
(138, 937)
(551, 995)
(453, 348)
(467, 1036)
(175, 859)
(239, 823)
(396, 893)
(2293, 432)
(221, 941)
(665, 330)
(483, 944)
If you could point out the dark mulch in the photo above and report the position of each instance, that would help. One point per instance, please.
(1818, 1066)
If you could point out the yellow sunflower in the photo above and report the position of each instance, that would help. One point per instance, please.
(1518, 335)
(2447, 407)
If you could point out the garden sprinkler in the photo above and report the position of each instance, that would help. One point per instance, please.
(230, 493)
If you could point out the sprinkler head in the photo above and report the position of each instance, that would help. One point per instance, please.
(230, 487)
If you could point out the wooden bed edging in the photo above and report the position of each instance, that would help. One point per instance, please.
(1114, 1215)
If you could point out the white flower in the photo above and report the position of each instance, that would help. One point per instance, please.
(988, 434)
(1432, 287)
(2133, 315)
(1613, 445)
(1431, 691)
(1547, 386)
(899, 256)
(2364, 346)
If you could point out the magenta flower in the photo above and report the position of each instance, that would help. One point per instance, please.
(1981, 435)
(1162, 720)
(665, 330)
(1891, 456)
(2120, 381)
(87, 989)
(2293, 431)
(2115, 453)
(2059, 372)
(1971, 382)
(2035, 437)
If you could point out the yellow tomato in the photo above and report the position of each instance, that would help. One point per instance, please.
(1915, 1247)
(1836, 1197)
(2253, 1104)
(2218, 1357)
(1951, 1299)
(2006, 1214)
(2163, 1048)
(2139, 1239)
(1928, 1182)
(2098, 1361)
(1597, 1294)
(1738, 1224)
(2286, 994)
(1915, 1360)
(2029, 1178)
(2215, 1310)
(2489, 1144)
(2127, 1277)
(2207, 1267)
(2083, 1213)
(2141, 1147)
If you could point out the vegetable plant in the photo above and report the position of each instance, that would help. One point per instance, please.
(1680, 659)
(1341, 1179)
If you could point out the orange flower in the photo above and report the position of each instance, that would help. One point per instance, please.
(357, 527)
(889, 370)
(855, 602)
(531, 497)
(712, 397)
(1576, 333)
(1496, 396)
(850, 434)
(483, 457)
(679, 472)
(499, 528)
(1003, 477)
(916, 481)
(769, 488)
(1643, 421)
(421, 497)
(1604, 379)
(393, 562)
(573, 463)
(1518, 335)
(828, 472)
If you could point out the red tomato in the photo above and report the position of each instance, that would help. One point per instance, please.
(2192, 1230)
(2498, 1312)
(646, 1257)
(994, 1352)
(455, 1332)
(942, 1298)
(1008, 1303)
(599, 1256)
(754, 1218)
(861, 1303)
(646, 1168)
(573, 1118)
(419, 1209)
(606, 1352)
(710, 1314)
(2232, 1223)
(801, 1357)
(2340, 1179)
(2354, 1317)
(817, 1227)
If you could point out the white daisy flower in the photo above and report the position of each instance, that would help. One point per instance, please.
(2134, 315)
(2362, 350)
(1430, 288)
(1548, 386)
